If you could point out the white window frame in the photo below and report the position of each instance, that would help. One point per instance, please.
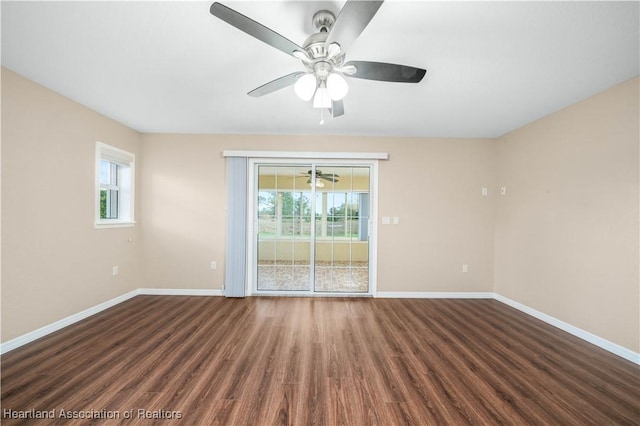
(126, 186)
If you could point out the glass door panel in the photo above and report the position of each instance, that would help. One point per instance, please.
(312, 225)
(342, 229)
(284, 228)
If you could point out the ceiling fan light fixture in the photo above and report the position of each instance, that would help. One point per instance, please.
(318, 183)
(337, 86)
(322, 98)
(305, 86)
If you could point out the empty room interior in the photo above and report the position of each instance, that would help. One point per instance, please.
(320, 212)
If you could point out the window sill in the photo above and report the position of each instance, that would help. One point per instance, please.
(114, 224)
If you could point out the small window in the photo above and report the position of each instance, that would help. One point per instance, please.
(114, 186)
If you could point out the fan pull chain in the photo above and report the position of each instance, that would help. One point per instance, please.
(321, 116)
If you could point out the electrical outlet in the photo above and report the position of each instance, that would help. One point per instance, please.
(465, 268)
(115, 271)
(214, 265)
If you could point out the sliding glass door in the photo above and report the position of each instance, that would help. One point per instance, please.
(284, 229)
(312, 228)
(342, 237)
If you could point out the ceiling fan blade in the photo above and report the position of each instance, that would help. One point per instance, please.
(352, 20)
(253, 28)
(277, 84)
(327, 178)
(386, 72)
(337, 108)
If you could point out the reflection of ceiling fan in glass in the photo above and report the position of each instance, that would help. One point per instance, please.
(319, 177)
(323, 55)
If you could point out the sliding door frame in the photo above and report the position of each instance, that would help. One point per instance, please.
(252, 225)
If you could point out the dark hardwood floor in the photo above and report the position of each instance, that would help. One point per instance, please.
(353, 361)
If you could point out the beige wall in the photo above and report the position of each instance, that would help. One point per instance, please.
(445, 221)
(432, 185)
(567, 229)
(183, 220)
(565, 238)
(54, 262)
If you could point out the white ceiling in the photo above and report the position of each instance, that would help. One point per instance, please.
(172, 67)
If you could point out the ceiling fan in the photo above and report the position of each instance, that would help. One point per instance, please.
(319, 177)
(323, 55)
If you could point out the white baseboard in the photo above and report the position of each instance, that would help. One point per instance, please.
(578, 332)
(585, 335)
(179, 292)
(48, 329)
(432, 295)
(614, 348)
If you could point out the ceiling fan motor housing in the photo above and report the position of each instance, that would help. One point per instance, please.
(317, 50)
(315, 45)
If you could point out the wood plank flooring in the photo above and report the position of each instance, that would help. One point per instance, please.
(323, 361)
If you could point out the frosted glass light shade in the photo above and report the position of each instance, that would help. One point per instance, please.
(322, 99)
(318, 183)
(305, 87)
(337, 86)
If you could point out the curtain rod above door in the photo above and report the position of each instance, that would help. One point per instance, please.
(315, 155)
